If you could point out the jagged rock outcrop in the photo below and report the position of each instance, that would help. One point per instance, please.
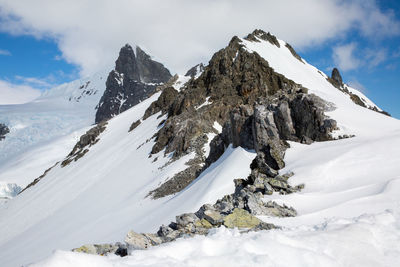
(337, 81)
(134, 78)
(195, 71)
(336, 78)
(3, 131)
(90, 138)
(236, 210)
(260, 34)
(258, 108)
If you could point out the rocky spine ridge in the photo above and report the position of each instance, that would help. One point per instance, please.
(258, 109)
(134, 78)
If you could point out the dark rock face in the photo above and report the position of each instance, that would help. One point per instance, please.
(3, 131)
(336, 78)
(258, 108)
(135, 77)
(294, 53)
(264, 36)
(90, 138)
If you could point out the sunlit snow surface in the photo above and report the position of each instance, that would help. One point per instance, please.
(348, 211)
(45, 130)
(368, 241)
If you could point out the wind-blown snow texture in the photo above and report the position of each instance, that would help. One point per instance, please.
(343, 211)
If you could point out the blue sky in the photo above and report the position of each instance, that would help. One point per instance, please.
(37, 52)
(28, 57)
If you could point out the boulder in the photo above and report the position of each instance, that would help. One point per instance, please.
(97, 249)
(241, 218)
(89, 249)
(203, 223)
(137, 241)
(214, 217)
(186, 218)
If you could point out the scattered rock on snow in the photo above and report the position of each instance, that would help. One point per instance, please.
(3, 131)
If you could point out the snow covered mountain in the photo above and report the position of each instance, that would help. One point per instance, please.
(134, 78)
(41, 132)
(256, 110)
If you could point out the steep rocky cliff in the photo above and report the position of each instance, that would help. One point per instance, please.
(134, 78)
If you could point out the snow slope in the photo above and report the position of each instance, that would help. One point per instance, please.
(44, 130)
(103, 195)
(348, 211)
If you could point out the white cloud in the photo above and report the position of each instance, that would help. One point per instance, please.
(16, 94)
(5, 52)
(350, 57)
(344, 58)
(182, 33)
(34, 82)
(374, 57)
(357, 85)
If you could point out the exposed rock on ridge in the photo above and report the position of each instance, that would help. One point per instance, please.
(134, 78)
(336, 80)
(258, 108)
(90, 138)
(3, 131)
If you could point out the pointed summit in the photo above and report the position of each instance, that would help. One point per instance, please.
(264, 36)
(134, 78)
(336, 78)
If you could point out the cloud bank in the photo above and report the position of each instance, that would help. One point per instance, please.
(181, 33)
(16, 94)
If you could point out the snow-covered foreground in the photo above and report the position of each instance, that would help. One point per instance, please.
(363, 241)
(343, 178)
(103, 195)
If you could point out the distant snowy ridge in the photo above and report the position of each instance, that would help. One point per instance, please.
(50, 123)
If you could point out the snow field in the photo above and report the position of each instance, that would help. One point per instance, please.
(368, 240)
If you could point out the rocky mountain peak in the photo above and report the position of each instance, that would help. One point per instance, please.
(126, 63)
(150, 71)
(256, 107)
(264, 36)
(336, 77)
(134, 78)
